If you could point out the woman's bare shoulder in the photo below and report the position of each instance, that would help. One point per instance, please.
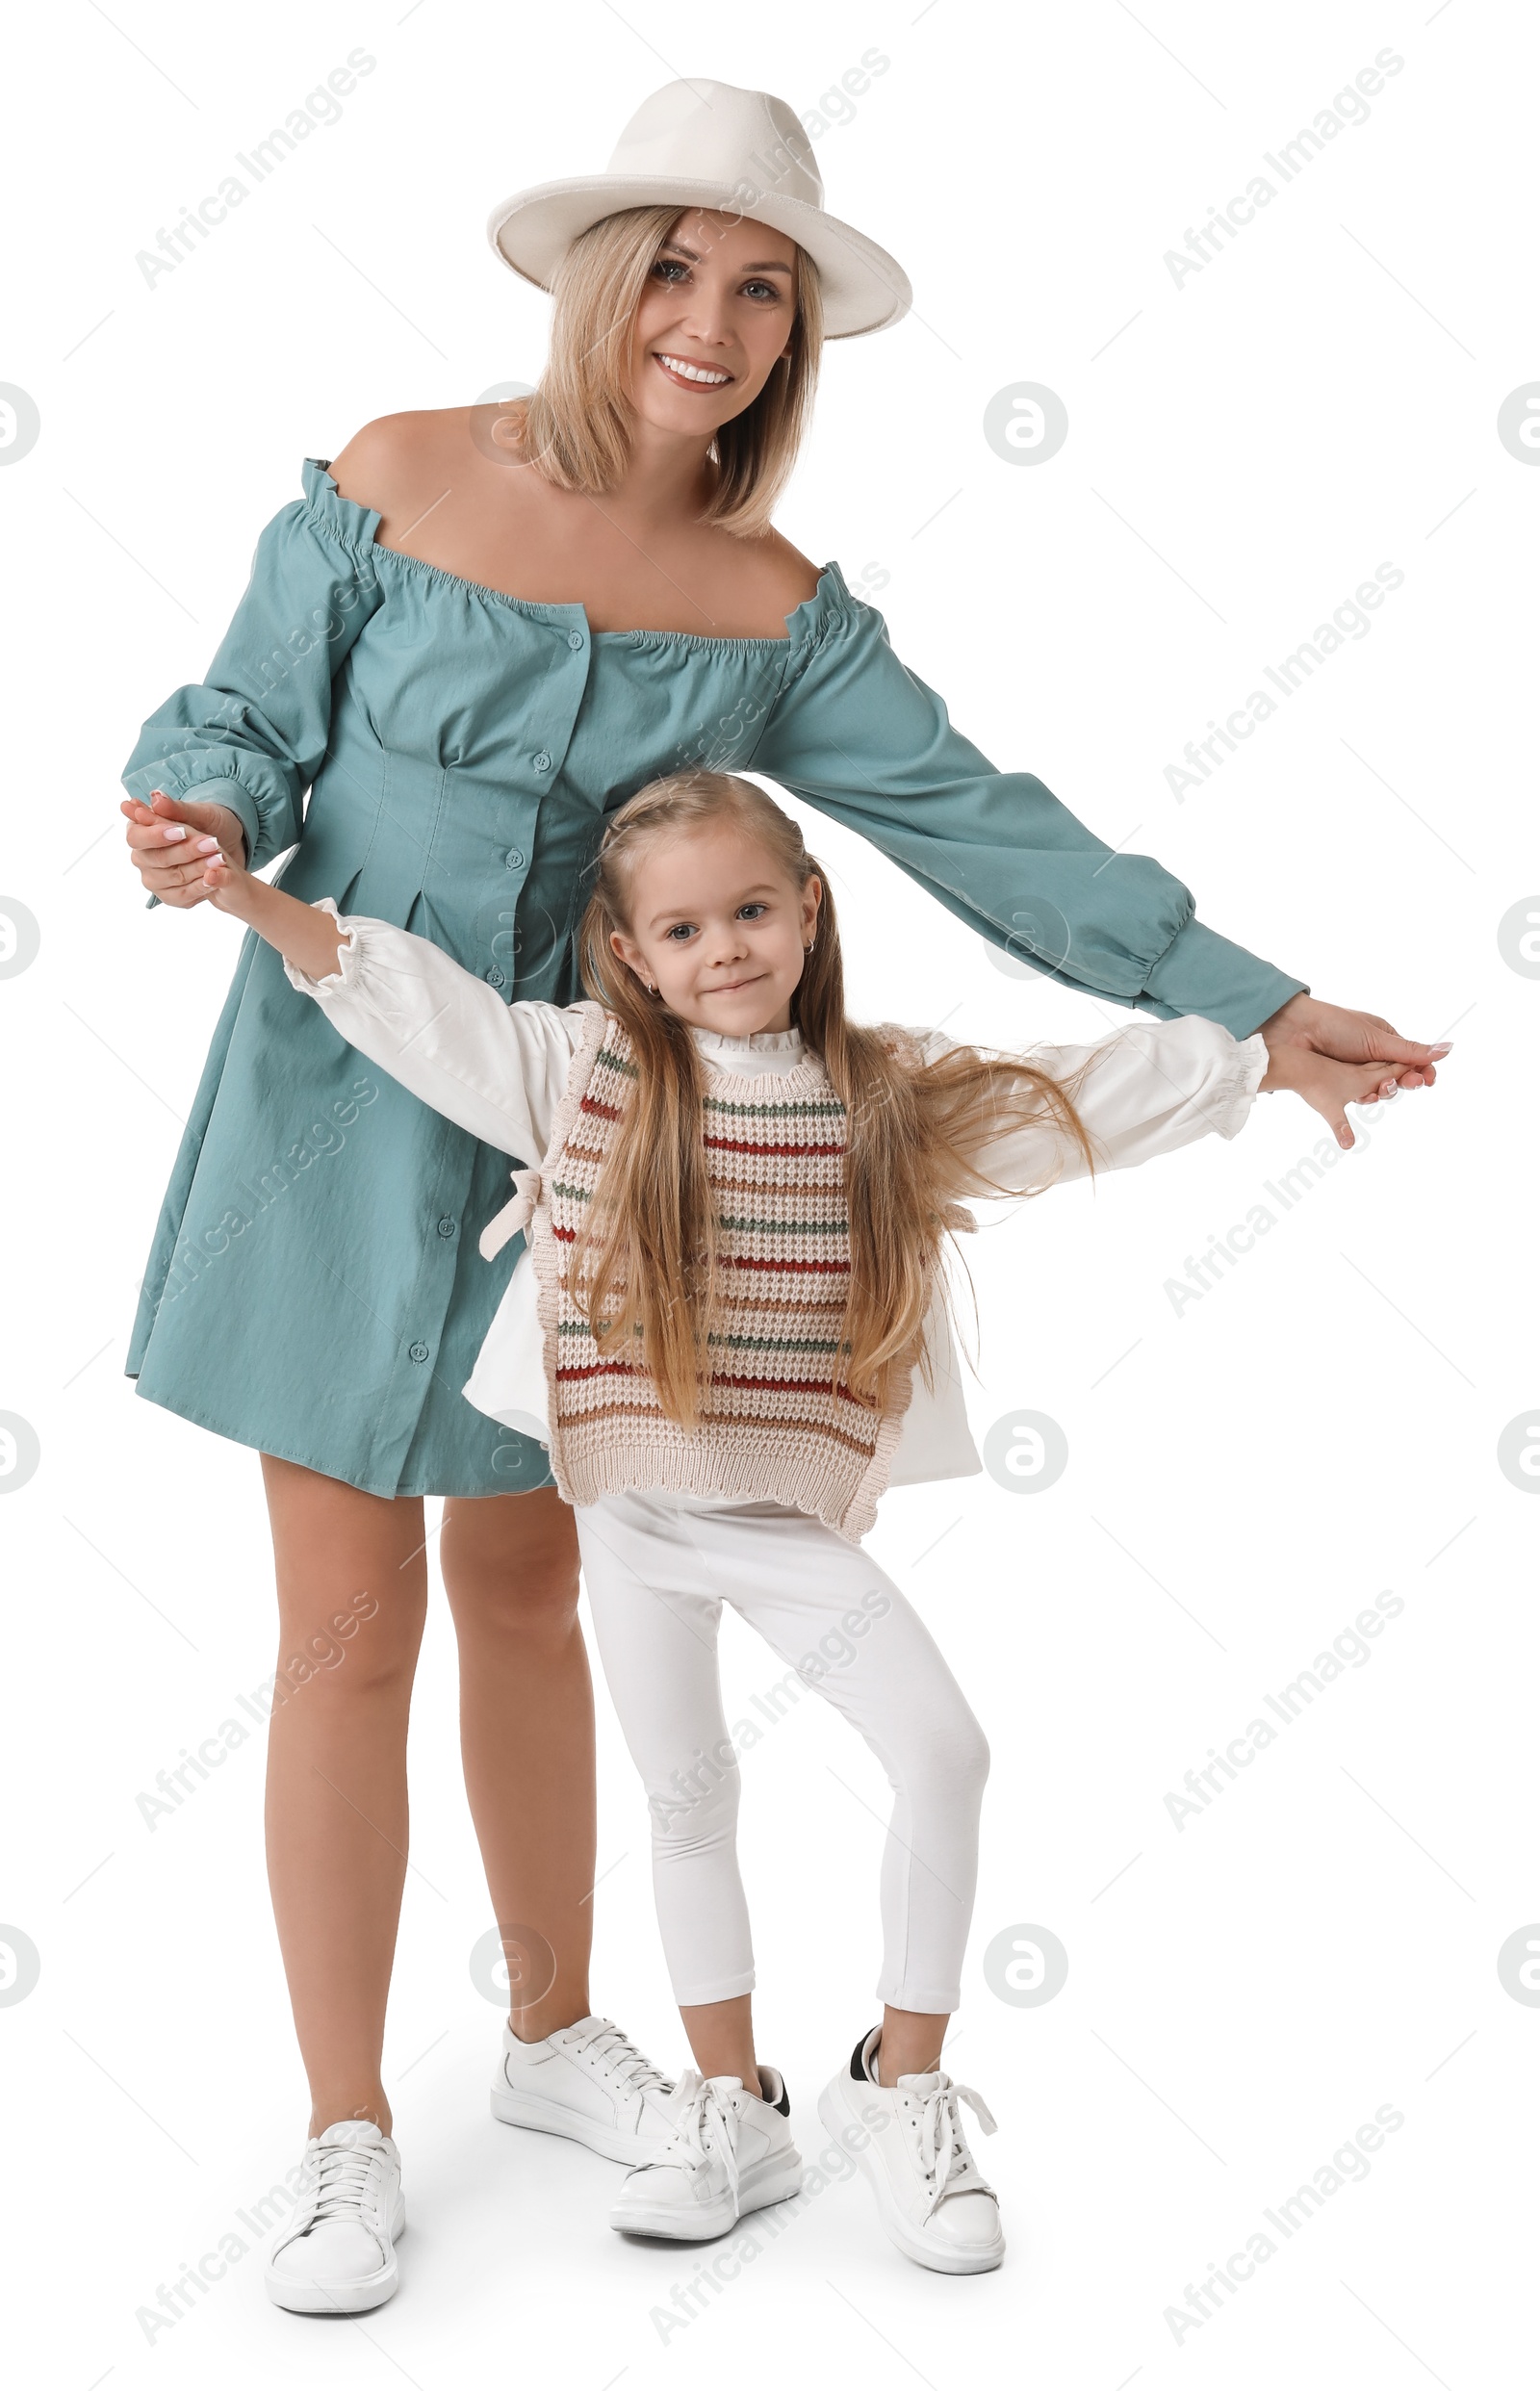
(397, 464)
(789, 577)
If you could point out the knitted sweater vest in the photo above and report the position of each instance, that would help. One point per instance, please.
(776, 1421)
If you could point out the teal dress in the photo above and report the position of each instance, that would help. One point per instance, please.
(314, 1287)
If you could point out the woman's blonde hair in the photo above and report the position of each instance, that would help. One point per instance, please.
(576, 427)
(644, 1265)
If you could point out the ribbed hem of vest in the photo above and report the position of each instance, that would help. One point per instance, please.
(622, 1465)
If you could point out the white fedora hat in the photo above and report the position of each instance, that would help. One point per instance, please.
(711, 145)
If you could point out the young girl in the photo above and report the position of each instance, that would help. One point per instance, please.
(735, 1200)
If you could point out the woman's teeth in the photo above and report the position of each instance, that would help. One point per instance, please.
(689, 373)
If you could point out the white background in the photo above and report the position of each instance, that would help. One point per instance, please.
(1245, 1476)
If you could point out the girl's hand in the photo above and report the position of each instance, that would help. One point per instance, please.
(1333, 1058)
(169, 839)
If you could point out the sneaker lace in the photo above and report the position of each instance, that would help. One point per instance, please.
(632, 2069)
(948, 2163)
(703, 2131)
(341, 2174)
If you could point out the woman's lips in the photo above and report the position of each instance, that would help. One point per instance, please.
(683, 381)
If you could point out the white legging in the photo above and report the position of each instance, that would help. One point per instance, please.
(658, 1568)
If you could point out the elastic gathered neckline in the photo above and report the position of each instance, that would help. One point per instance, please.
(324, 499)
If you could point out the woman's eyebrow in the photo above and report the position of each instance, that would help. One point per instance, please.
(760, 266)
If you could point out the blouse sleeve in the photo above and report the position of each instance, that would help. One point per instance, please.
(497, 1069)
(1148, 1090)
(861, 736)
(253, 734)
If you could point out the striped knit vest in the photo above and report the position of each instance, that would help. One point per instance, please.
(776, 1421)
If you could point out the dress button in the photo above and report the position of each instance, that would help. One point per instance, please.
(493, 976)
(542, 761)
(574, 639)
(446, 1226)
(513, 859)
(419, 1353)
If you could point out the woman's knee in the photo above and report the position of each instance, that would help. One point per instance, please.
(361, 1650)
(511, 1572)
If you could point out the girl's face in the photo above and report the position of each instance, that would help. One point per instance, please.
(721, 300)
(719, 929)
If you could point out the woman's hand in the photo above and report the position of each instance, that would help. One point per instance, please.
(170, 839)
(1334, 1058)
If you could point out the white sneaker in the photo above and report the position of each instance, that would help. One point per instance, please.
(587, 2081)
(730, 2152)
(931, 2196)
(336, 2254)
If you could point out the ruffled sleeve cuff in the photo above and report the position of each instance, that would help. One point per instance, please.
(349, 957)
(1238, 1084)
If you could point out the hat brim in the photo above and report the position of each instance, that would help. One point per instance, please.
(863, 289)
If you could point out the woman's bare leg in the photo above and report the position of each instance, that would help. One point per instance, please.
(526, 1735)
(352, 1593)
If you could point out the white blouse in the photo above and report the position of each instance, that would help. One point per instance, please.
(499, 1070)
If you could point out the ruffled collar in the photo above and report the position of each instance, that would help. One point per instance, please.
(762, 1041)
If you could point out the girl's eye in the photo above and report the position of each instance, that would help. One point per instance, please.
(684, 929)
(755, 907)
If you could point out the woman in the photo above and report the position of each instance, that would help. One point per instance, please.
(472, 638)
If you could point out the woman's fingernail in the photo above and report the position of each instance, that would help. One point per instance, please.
(1445, 1048)
(208, 847)
(174, 830)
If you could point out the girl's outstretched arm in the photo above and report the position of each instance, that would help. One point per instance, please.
(1146, 1091)
(302, 934)
(496, 1070)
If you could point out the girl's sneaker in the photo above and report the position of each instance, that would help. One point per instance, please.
(910, 2144)
(587, 2081)
(336, 2255)
(729, 2153)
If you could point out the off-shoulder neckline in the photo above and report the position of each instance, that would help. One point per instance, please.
(360, 525)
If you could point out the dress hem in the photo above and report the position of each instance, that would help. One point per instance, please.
(306, 1461)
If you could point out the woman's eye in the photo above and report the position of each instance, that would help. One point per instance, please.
(762, 290)
(669, 267)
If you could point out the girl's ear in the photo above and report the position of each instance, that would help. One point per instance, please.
(631, 956)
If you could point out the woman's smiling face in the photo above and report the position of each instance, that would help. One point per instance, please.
(717, 311)
(719, 929)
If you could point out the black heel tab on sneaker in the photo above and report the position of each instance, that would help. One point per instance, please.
(857, 2069)
(782, 2106)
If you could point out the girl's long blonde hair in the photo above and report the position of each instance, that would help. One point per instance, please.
(576, 427)
(644, 1265)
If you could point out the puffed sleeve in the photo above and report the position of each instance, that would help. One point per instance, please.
(858, 735)
(496, 1070)
(253, 734)
(1147, 1090)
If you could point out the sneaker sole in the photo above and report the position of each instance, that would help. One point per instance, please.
(837, 2115)
(782, 2182)
(371, 2290)
(549, 2117)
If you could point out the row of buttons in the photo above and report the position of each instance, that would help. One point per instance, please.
(446, 1229)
